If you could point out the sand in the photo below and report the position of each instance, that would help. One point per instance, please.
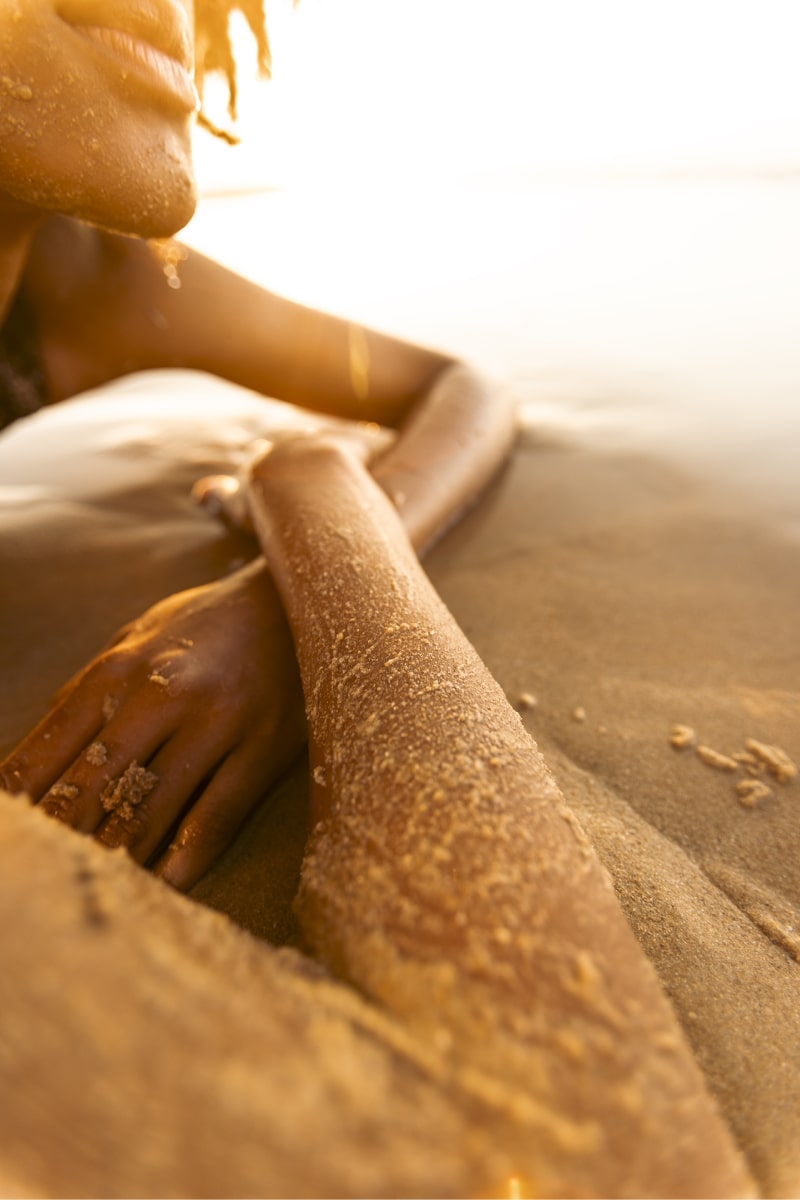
(123, 794)
(592, 580)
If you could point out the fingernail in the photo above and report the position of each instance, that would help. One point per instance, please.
(212, 491)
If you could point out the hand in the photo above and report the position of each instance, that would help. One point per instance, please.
(225, 496)
(167, 741)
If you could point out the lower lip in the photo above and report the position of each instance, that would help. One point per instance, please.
(144, 62)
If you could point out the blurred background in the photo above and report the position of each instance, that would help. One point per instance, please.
(368, 90)
(596, 200)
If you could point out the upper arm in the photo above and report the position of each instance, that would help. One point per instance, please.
(105, 309)
(292, 352)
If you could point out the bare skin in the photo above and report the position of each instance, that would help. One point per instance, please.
(507, 942)
(102, 309)
(215, 729)
(447, 880)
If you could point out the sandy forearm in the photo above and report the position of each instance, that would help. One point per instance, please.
(447, 878)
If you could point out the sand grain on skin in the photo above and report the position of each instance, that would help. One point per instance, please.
(66, 791)
(96, 754)
(122, 795)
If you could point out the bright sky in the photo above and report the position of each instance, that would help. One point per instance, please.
(597, 287)
(370, 90)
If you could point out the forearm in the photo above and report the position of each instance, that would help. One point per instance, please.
(449, 447)
(448, 880)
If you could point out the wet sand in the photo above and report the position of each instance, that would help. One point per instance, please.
(621, 592)
(645, 598)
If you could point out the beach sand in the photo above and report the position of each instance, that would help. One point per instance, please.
(644, 598)
(614, 595)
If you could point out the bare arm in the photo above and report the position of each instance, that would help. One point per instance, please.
(447, 879)
(104, 310)
(451, 445)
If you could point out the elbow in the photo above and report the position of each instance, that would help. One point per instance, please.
(482, 407)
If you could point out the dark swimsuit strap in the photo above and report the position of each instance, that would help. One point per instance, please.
(22, 383)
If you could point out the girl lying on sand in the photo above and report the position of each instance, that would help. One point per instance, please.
(96, 137)
(445, 878)
(503, 1034)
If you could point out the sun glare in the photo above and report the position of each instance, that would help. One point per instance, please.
(365, 92)
(527, 182)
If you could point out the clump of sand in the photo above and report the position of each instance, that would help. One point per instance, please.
(122, 795)
(96, 754)
(756, 758)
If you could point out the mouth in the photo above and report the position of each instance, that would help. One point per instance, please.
(149, 42)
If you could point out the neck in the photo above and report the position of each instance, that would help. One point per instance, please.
(18, 223)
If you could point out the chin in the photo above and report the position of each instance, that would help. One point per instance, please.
(151, 192)
(137, 213)
(157, 220)
(135, 178)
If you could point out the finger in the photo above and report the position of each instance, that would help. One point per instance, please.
(214, 821)
(87, 790)
(45, 753)
(223, 497)
(145, 806)
(88, 675)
